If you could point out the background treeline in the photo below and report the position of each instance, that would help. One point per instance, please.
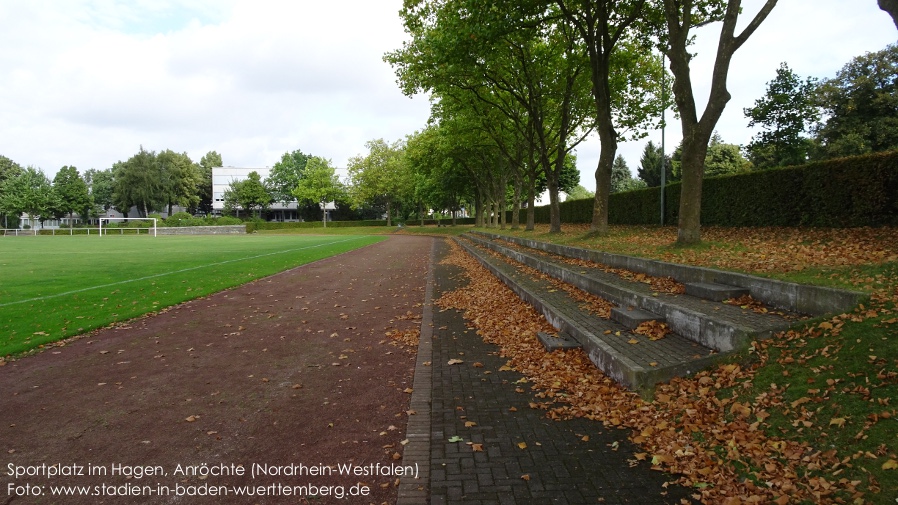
(516, 86)
(148, 181)
(511, 102)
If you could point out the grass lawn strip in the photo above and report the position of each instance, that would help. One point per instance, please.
(59, 287)
(805, 417)
(173, 272)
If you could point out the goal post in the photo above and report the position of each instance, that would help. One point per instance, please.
(110, 219)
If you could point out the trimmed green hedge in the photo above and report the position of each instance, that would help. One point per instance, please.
(275, 225)
(446, 221)
(846, 192)
(265, 225)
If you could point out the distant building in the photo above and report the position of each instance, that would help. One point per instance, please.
(222, 177)
(28, 222)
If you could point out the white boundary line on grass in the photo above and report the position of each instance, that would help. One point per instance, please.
(170, 273)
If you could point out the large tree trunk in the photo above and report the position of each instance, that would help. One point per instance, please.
(531, 200)
(389, 220)
(478, 209)
(890, 6)
(693, 167)
(516, 204)
(599, 224)
(607, 139)
(554, 209)
(502, 201)
(697, 131)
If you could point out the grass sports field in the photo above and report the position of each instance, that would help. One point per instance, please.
(55, 287)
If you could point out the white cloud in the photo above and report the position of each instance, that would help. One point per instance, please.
(86, 82)
(93, 81)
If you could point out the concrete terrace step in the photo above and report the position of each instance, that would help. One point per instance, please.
(637, 366)
(555, 342)
(714, 292)
(715, 325)
(789, 296)
(631, 317)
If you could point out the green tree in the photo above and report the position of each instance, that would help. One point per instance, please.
(578, 192)
(232, 197)
(528, 66)
(649, 170)
(490, 148)
(209, 161)
(30, 193)
(682, 17)
(783, 113)
(381, 175)
(101, 184)
(139, 183)
(286, 174)
(72, 194)
(443, 181)
(254, 194)
(8, 170)
(625, 78)
(495, 146)
(860, 106)
(319, 185)
(621, 178)
(181, 180)
(724, 159)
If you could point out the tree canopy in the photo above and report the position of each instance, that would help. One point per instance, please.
(286, 174)
(784, 113)
(181, 178)
(248, 194)
(101, 184)
(138, 183)
(319, 185)
(380, 176)
(71, 192)
(724, 159)
(30, 192)
(513, 59)
(8, 170)
(649, 170)
(860, 106)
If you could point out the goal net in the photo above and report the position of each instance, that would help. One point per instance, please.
(138, 229)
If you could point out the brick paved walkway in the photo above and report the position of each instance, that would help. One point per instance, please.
(560, 467)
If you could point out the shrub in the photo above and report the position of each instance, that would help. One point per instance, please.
(227, 220)
(277, 225)
(179, 219)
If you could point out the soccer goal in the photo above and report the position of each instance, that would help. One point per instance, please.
(122, 229)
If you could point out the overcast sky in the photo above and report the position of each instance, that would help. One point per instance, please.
(87, 82)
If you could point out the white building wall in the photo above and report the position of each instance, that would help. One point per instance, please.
(222, 177)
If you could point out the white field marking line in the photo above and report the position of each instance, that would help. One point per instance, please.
(39, 298)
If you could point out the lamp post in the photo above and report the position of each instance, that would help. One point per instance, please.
(663, 125)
